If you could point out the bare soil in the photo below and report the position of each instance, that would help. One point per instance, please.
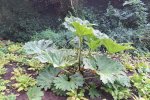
(48, 95)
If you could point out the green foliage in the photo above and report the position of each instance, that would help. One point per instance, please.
(72, 25)
(3, 84)
(143, 67)
(72, 66)
(58, 58)
(46, 77)
(14, 48)
(132, 15)
(35, 64)
(61, 39)
(2, 70)
(94, 37)
(74, 95)
(23, 80)
(3, 61)
(109, 70)
(118, 92)
(93, 92)
(8, 97)
(73, 82)
(89, 13)
(139, 98)
(14, 57)
(47, 54)
(122, 24)
(138, 12)
(58, 91)
(142, 83)
(46, 34)
(133, 63)
(20, 23)
(113, 47)
(37, 47)
(35, 93)
(69, 68)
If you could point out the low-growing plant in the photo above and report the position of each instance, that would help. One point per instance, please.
(3, 61)
(142, 84)
(13, 48)
(133, 63)
(35, 93)
(23, 80)
(138, 98)
(2, 70)
(58, 92)
(117, 91)
(3, 84)
(68, 65)
(11, 57)
(143, 67)
(7, 97)
(93, 91)
(35, 64)
(75, 95)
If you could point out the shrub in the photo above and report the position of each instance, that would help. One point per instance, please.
(61, 39)
(127, 24)
(19, 20)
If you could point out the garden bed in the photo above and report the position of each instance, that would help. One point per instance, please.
(16, 62)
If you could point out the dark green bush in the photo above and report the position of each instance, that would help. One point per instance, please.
(127, 24)
(61, 39)
(19, 20)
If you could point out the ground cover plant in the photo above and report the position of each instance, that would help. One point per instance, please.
(32, 69)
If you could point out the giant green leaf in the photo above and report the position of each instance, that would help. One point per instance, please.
(82, 30)
(113, 47)
(69, 20)
(69, 83)
(37, 47)
(108, 69)
(78, 26)
(46, 77)
(59, 58)
(45, 52)
(93, 44)
(99, 39)
(94, 41)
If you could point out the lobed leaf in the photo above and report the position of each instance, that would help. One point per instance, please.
(108, 69)
(73, 82)
(59, 58)
(37, 47)
(35, 93)
(46, 77)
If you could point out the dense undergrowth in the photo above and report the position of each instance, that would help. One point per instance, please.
(129, 23)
